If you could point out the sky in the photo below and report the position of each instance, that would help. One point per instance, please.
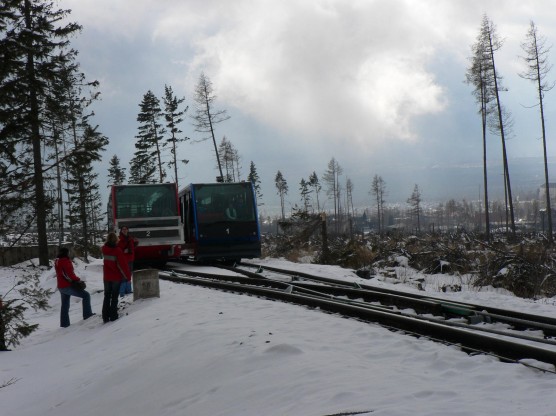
(376, 84)
(197, 351)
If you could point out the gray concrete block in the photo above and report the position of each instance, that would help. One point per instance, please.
(145, 284)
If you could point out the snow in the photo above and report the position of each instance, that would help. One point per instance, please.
(197, 351)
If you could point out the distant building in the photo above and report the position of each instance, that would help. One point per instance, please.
(542, 195)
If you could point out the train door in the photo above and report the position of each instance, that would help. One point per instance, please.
(189, 221)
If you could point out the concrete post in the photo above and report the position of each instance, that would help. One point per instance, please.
(145, 284)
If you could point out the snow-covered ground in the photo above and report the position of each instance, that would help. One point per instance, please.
(197, 351)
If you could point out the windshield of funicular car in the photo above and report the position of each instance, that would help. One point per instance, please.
(140, 201)
(213, 200)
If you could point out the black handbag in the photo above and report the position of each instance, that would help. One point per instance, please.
(75, 284)
(78, 285)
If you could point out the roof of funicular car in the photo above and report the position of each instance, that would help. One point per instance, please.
(143, 184)
(201, 184)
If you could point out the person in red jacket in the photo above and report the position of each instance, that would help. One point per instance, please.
(115, 272)
(127, 244)
(65, 276)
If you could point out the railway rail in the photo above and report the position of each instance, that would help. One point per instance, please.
(527, 337)
(474, 313)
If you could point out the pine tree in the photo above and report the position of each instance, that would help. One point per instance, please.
(331, 177)
(349, 197)
(71, 95)
(25, 293)
(253, 177)
(142, 168)
(173, 115)
(479, 76)
(305, 194)
(206, 116)
(150, 136)
(96, 211)
(116, 173)
(33, 47)
(499, 118)
(282, 187)
(414, 202)
(82, 185)
(537, 71)
(229, 155)
(378, 189)
(315, 184)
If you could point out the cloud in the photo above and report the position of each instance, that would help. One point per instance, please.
(324, 69)
(361, 70)
(378, 84)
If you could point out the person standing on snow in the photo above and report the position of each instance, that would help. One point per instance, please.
(115, 272)
(127, 244)
(66, 276)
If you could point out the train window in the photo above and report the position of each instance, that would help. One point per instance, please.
(140, 201)
(225, 202)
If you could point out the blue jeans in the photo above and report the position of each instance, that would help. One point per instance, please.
(110, 303)
(67, 293)
(125, 287)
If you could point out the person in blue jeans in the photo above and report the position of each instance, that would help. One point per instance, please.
(65, 276)
(127, 243)
(115, 272)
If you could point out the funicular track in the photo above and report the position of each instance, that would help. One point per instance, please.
(390, 309)
(474, 313)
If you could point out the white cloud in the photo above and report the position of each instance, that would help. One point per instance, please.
(321, 68)
(355, 79)
(324, 68)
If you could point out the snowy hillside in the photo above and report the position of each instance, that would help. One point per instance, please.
(196, 351)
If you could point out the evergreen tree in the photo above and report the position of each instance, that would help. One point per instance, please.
(58, 115)
(142, 168)
(305, 194)
(378, 189)
(480, 77)
(82, 185)
(116, 173)
(282, 187)
(206, 116)
(69, 124)
(25, 293)
(230, 158)
(225, 155)
(349, 197)
(315, 184)
(32, 49)
(253, 177)
(331, 177)
(173, 115)
(96, 211)
(237, 164)
(537, 71)
(499, 120)
(414, 202)
(151, 132)
(40, 101)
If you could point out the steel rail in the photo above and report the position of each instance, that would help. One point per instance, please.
(540, 321)
(466, 339)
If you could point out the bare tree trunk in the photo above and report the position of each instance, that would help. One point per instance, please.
(503, 138)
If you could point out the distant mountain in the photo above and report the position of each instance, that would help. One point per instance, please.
(438, 183)
(442, 182)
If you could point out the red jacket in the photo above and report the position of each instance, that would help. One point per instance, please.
(115, 267)
(64, 270)
(127, 244)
